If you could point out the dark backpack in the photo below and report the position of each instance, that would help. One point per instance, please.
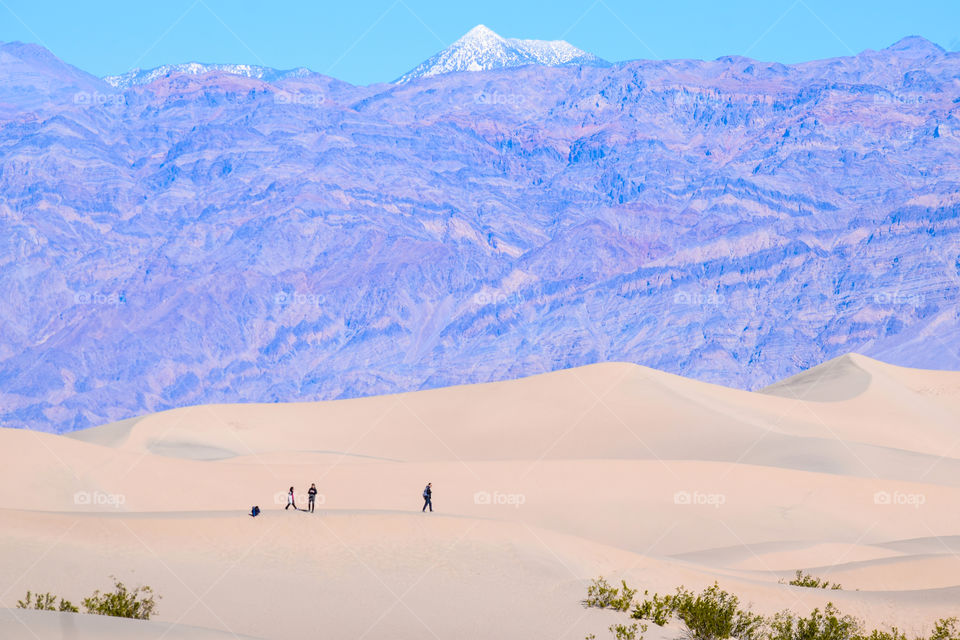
(255, 511)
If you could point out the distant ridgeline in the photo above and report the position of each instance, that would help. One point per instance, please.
(232, 233)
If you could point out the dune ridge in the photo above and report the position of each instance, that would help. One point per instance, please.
(848, 470)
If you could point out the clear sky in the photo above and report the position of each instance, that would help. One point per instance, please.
(367, 41)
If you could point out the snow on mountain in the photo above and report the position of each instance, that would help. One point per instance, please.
(482, 49)
(479, 49)
(138, 77)
(553, 53)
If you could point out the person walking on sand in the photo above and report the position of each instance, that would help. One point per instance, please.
(290, 501)
(311, 496)
(427, 498)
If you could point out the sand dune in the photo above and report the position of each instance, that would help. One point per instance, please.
(18, 624)
(849, 470)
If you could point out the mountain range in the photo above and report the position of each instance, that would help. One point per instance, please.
(232, 236)
(480, 49)
(146, 76)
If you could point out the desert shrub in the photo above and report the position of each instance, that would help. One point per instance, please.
(603, 596)
(45, 602)
(876, 634)
(827, 625)
(634, 631)
(625, 600)
(657, 609)
(945, 629)
(750, 626)
(138, 603)
(802, 579)
(67, 606)
(600, 594)
(714, 614)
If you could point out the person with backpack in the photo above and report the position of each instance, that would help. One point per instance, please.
(290, 501)
(311, 496)
(427, 498)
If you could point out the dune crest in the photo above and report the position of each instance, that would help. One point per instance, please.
(540, 484)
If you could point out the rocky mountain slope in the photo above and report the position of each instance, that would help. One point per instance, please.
(216, 237)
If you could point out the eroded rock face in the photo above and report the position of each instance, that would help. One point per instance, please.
(217, 237)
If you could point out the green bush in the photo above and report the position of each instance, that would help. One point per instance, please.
(876, 634)
(657, 609)
(802, 579)
(945, 629)
(625, 632)
(122, 602)
(715, 614)
(602, 596)
(45, 602)
(828, 625)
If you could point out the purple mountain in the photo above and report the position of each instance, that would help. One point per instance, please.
(218, 236)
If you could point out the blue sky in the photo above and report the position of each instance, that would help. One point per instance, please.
(377, 40)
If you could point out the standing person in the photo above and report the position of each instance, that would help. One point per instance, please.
(427, 498)
(290, 502)
(311, 496)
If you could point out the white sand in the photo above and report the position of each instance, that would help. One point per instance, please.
(850, 470)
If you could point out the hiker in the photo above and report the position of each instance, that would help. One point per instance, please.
(290, 502)
(427, 498)
(311, 496)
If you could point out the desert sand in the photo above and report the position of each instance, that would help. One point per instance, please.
(850, 471)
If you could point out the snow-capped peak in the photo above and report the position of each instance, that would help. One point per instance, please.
(480, 33)
(481, 48)
(146, 76)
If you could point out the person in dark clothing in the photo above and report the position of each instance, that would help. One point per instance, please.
(290, 502)
(427, 498)
(311, 497)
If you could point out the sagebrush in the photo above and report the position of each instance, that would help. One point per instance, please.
(139, 603)
(715, 614)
